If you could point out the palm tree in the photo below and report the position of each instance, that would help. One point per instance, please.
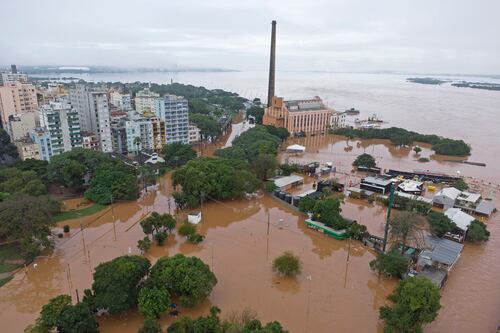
(137, 142)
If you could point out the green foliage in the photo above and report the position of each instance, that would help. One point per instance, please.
(187, 229)
(460, 184)
(417, 149)
(116, 283)
(112, 182)
(156, 223)
(77, 319)
(258, 140)
(439, 223)
(153, 301)
(365, 160)
(185, 277)
(408, 204)
(357, 231)
(477, 232)
(287, 264)
(270, 186)
(288, 169)
(16, 181)
(328, 211)
(306, 204)
(73, 214)
(38, 166)
(217, 178)
(51, 312)
(405, 226)
(280, 132)
(265, 166)
(161, 237)
(177, 154)
(257, 112)
(391, 263)
(144, 244)
(195, 238)
(416, 302)
(150, 326)
(8, 151)
(28, 220)
(209, 127)
(400, 136)
(231, 152)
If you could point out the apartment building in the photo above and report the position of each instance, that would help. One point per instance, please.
(21, 124)
(121, 101)
(15, 98)
(146, 101)
(174, 111)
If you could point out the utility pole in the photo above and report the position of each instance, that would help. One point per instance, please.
(83, 241)
(268, 222)
(386, 230)
(113, 217)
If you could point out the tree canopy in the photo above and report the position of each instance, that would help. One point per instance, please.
(400, 137)
(112, 182)
(365, 160)
(209, 127)
(117, 283)
(287, 264)
(328, 211)
(188, 278)
(78, 319)
(177, 154)
(391, 263)
(157, 222)
(416, 301)
(439, 223)
(8, 151)
(477, 232)
(153, 301)
(214, 177)
(16, 181)
(150, 326)
(257, 112)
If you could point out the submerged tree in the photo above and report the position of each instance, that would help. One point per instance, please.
(477, 232)
(391, 263)
(287, 264)
(365, 160)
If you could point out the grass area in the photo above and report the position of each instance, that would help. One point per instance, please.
(4, 281)
(73, 214)
(9, 252)
(4, 267)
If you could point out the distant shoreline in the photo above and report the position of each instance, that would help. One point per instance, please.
(459, 84)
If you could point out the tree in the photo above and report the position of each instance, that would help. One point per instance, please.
(365, 160)
(137, 143)
(405, 226)
(144, 244)
(391, 263)
(187, 229)
(357, 231)
(416, 301)
(150, 326)
(161, 237)
(38, 166)
(440, 223)
(265, 166)
(153, 301)
(287, 264)
(185, 277)
(306, 204)
(77, 319)
(417, 150)
(16, 181)
(112, 182)
(477, 232)
(51, 312)
(156, 223)
(8, 151)
(257, 112)
(116, 283)
(460, 184)
(328, 211)
(209, 127)
(177, 154)
(28, 220)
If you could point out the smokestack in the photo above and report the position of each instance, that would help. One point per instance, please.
(272, 63)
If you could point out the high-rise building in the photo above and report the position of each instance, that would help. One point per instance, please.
(60, 121)
(16, 98)
(21, 124)
(145, 101)
(27, 148)
(121, 101)
(159, 129)
(139, 132)
(13, 76)
(174, 111)
(93, 112)
(42, 139)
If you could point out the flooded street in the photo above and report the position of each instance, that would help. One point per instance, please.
(331, 294)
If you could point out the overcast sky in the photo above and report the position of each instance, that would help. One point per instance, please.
(422, 36)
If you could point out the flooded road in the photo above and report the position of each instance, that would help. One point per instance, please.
(331, 294)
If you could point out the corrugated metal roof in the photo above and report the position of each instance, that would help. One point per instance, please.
(444, 250)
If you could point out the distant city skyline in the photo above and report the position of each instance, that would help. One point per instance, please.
(315, 35)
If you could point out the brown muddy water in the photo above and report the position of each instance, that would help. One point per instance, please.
(332, 293)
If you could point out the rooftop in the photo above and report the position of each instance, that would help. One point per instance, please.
(312, 104)
(411, 185)
(376, 180)
(442, 250)
(449, 192)
(485, 208)
(461, 219)
(287, 180)
(469, 197)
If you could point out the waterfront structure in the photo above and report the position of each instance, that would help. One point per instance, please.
(27, 149)
(194, 133)
(376, 184)
(94, 114)
(174, 111)
(121, 101)
(15, 98)
(21, 124)
(146, 101)
(60, 121)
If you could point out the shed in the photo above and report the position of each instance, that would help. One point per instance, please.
(485, 208)
(446, 197)
(440, 253)
(194, 217)
(287, 181)
(295, 148)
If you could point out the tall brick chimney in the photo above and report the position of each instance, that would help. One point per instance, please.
(272, 63)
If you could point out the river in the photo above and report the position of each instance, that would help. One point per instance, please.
(332, 293)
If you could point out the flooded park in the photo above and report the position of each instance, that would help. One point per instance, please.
(336, 291)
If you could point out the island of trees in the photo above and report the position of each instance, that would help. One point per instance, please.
(402, 137)
(425, 80)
